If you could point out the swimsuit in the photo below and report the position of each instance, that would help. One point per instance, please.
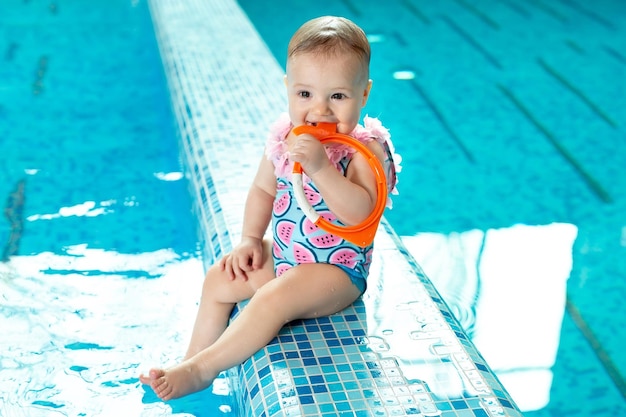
(296, 239)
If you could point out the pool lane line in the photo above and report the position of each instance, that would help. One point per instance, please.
(596, 345)
(415, 11)
(479, 13)
(591, 182)
(442, 120)
(590, 14)
(549, 11)
(473, 42)
(10, 51)
(517, 9)
(574, 46)
(400, 39)
(577, 92)
(42, 68)
(14, 213)
(616, 54)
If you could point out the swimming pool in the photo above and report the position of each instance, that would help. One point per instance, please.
(510, 119)
(60, 397)
(97, 223)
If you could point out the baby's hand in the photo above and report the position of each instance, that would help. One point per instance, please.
(310, 153)
(244, 258)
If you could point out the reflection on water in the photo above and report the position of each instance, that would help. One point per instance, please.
(507, 287)
(77, 329)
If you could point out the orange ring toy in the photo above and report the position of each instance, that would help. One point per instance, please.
(361, 234)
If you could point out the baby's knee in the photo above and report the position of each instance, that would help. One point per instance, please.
(214, 275)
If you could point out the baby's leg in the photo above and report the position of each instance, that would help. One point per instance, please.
(306, 291)
(219, 295)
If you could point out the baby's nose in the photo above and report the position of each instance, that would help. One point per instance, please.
(322, 107)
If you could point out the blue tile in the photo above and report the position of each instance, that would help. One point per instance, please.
(319, 388)
(325, 360)
(306, 399)
(254, 391)
(309, 361)
(505, 403)
(304, 345)
(351, 386)
(334, 346)
(459, 405)
(327, 370)
(316, 379)
(301, 380)
(267, 381)
(327, 408)
(264, 371)
(273, 348)
(273, 409)
(303, 390)
(307, 353)
(342, 406)
(343, 367)
(336, 389)
(358, 366)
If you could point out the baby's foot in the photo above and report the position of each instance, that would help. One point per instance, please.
(178, 381)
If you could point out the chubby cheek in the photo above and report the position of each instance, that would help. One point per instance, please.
(346, 126)
(296, 115)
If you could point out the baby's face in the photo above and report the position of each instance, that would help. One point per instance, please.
(330, 89)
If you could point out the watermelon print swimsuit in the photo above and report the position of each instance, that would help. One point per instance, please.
(296, 239)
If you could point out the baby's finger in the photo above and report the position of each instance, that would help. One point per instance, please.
(228, 267)
(257, 259)
(242, 268)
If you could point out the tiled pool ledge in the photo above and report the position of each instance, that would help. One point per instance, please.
(398, 351)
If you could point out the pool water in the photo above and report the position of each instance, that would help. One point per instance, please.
(496, 108)
(511, 120)
(101, 269)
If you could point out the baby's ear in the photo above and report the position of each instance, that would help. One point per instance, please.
(285, 80)
(366, 93)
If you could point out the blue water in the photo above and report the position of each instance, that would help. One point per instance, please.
(98, 229)
(108, 235)
(511, 120)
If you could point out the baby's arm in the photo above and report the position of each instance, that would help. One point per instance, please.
(351, 198)
(248, 254)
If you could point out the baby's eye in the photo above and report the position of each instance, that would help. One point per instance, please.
(304, 94)
(338, 96)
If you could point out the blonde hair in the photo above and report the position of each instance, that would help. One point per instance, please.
(329, 35)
